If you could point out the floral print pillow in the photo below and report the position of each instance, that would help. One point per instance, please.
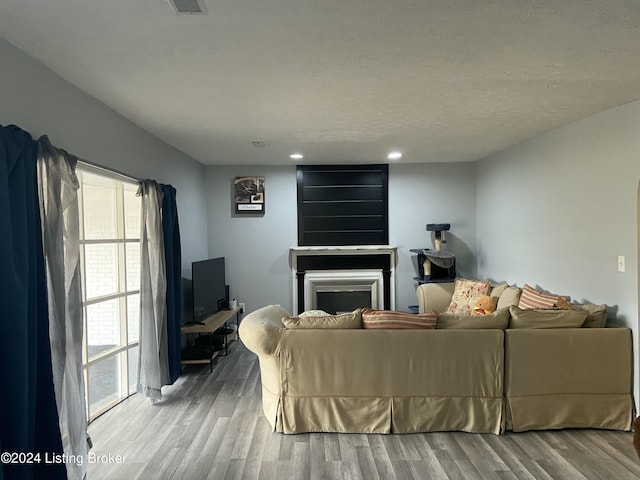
(465, 295)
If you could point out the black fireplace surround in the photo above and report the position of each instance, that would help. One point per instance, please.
(343, 262)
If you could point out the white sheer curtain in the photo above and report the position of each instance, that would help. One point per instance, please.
(58, 197)
(153, 368)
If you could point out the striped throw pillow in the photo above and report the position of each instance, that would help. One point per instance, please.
(392, 320)
(532, 298)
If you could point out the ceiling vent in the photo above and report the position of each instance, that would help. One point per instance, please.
(260, 144)
(190, 7)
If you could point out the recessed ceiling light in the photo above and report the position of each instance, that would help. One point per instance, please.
(296, 156)
(394, 155)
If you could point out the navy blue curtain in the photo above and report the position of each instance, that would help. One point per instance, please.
(172, 257)
(28, 414)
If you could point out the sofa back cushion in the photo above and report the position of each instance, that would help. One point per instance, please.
(497, 290)
(596, 314)
(343, 320)
(546, 318)
(434, 296)
(392, 320)
(509, 298)
(314, 313)
(498, 320)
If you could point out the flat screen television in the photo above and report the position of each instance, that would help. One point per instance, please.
(209, 287)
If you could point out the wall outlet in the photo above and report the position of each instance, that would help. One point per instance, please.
(621, 263)
(241, 305)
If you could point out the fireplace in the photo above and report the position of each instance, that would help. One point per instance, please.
(343, 278)
(338, 291)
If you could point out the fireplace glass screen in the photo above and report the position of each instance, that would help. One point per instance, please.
(343, 301)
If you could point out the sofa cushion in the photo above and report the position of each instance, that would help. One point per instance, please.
(434, 296)
(465, 295)
(496, 320)
(343, 320)
(314, 313)
(392, 320)
(497, 290)
(596, 314)
(532, 298)
(509, 298)
(546, 318)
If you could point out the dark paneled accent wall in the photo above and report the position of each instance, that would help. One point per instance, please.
(343, 205)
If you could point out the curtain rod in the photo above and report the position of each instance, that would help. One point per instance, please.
(90, 166)
(110, 171)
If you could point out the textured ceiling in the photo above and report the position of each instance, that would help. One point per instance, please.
(340, 80)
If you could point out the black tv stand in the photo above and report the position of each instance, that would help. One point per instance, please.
(211, 324)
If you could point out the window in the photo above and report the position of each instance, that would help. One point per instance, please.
(110, 261)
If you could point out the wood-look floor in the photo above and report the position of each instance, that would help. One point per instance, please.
(211, 426)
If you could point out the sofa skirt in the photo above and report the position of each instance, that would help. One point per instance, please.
(542, 412)
(336, 414)
(390, 415)
(443, 414)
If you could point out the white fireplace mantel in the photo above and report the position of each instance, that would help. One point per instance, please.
(296, 252)
(365, 249)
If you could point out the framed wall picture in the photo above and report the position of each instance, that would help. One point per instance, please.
(249, 195)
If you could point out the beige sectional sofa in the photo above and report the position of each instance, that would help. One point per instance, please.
(376, 381)
(360, 380)
(568, 378)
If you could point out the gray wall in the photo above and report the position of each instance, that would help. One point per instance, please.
(557, 210)
(41, 102)
(430, 193)
(257, 248)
